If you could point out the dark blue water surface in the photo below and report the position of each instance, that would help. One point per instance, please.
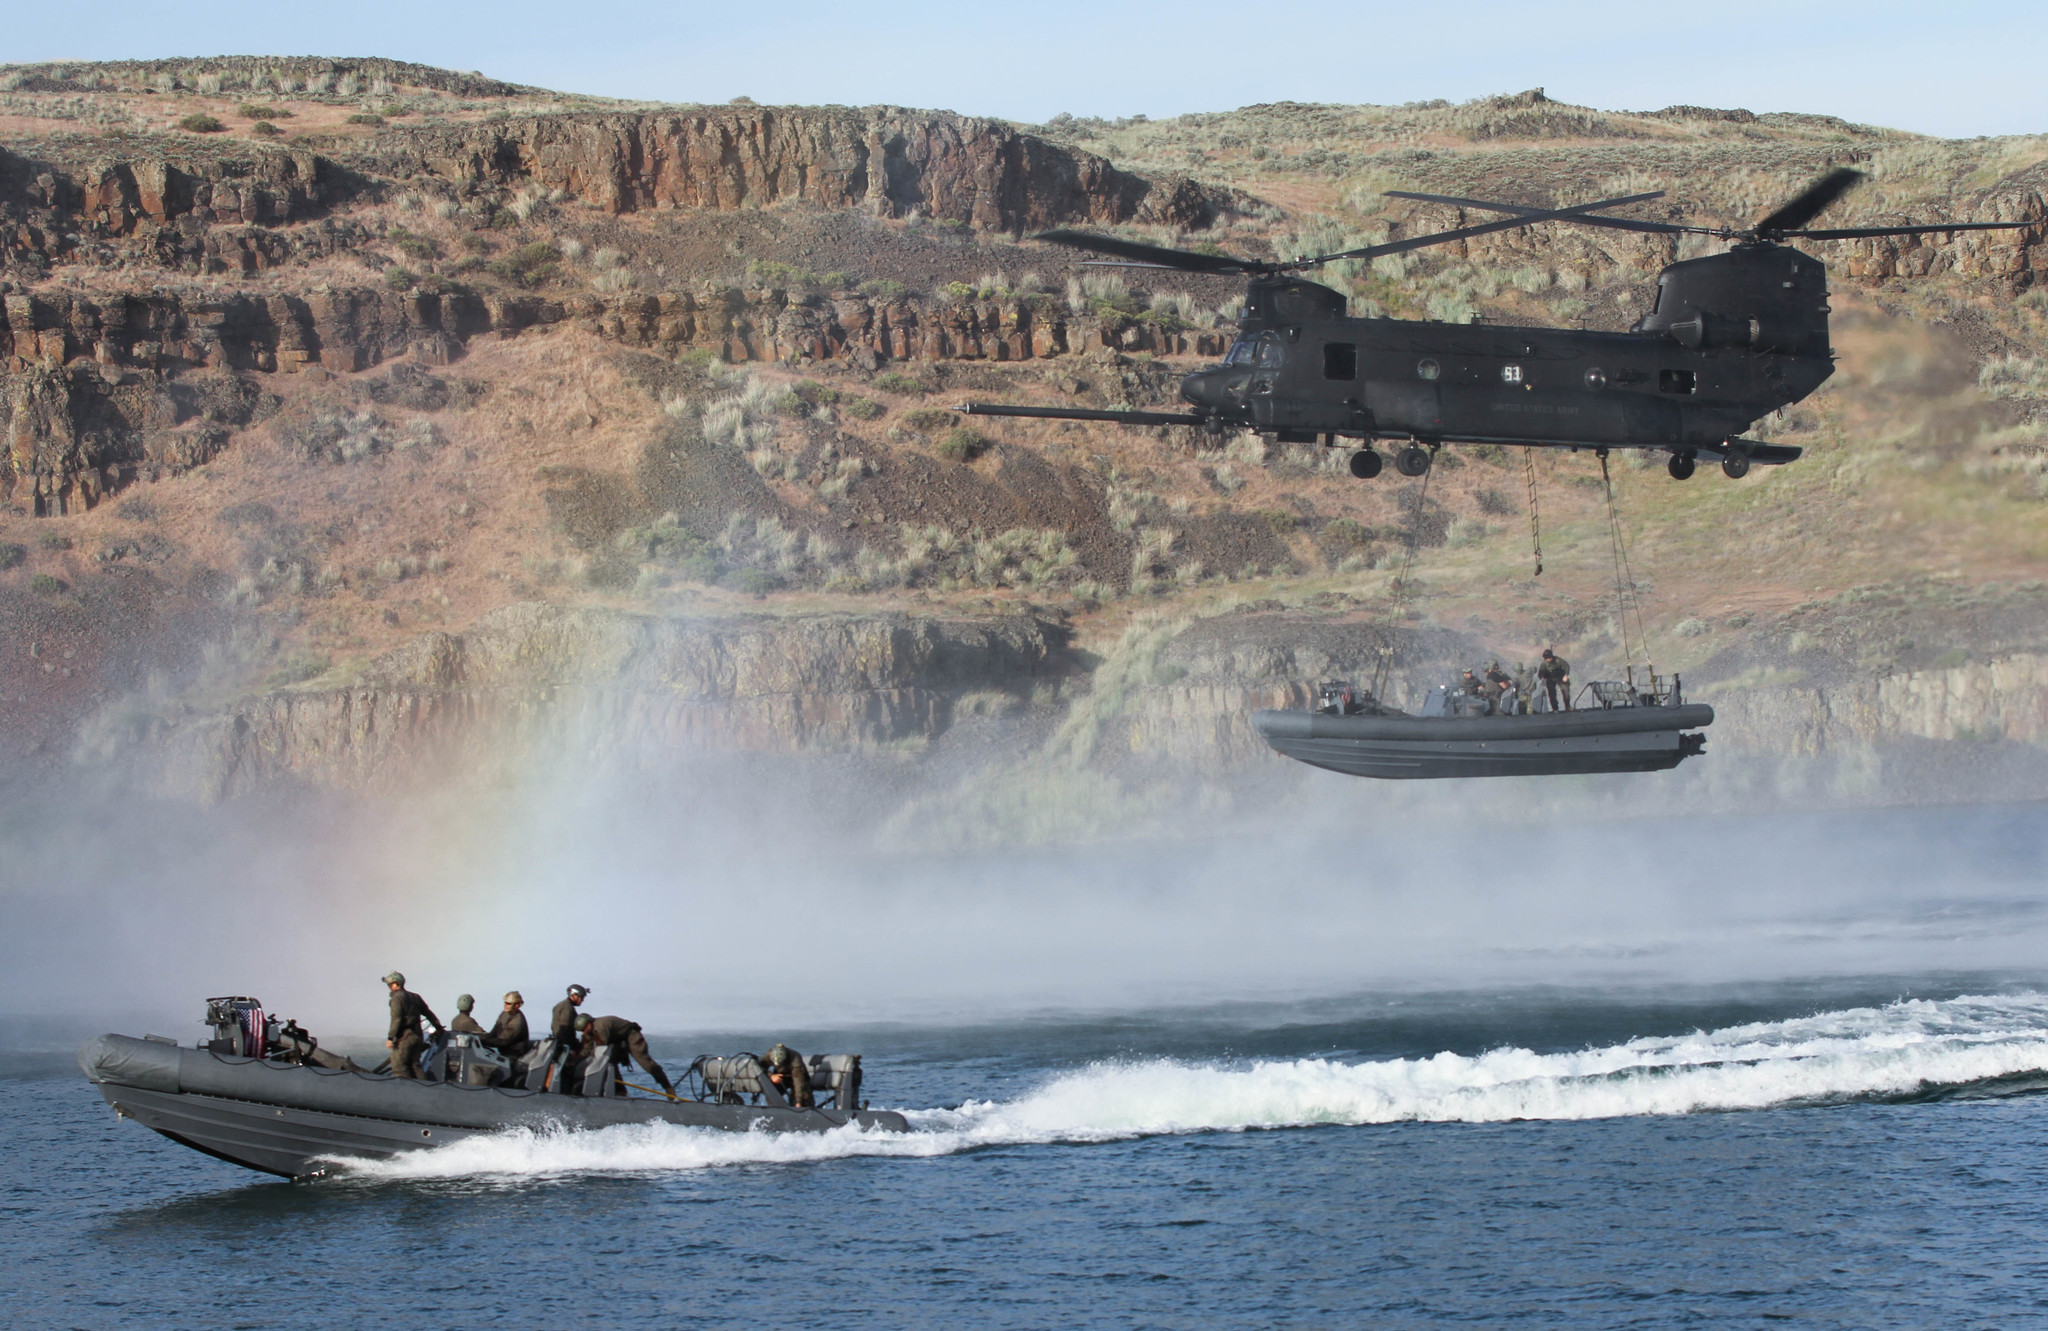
(1894, 1178)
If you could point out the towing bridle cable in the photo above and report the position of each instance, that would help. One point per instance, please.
(1401, 590)
(1535, 523)
(1627, 601)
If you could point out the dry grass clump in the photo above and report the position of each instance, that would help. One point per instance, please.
(343, 437)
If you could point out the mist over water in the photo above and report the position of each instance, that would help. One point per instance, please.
(719, 893)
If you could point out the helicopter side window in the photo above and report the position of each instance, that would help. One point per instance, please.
(1340, 360)
(1270, 352)
(1427, 369)
(1240, 352)
(1677, 381)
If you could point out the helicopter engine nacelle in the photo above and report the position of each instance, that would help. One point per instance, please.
(1715, 330)
(1765, 297)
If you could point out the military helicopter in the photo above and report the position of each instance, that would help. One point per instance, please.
(1731, 338)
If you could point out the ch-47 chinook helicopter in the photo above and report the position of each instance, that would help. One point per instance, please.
(1731, 338)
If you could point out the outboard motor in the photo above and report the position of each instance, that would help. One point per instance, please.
(239, 1027)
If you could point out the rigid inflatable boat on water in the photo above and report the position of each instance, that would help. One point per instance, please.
(1622, 731)
(267, 1097)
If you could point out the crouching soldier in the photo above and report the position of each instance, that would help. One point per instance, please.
(405, 1040)
(623, 1038)
(788, 1073)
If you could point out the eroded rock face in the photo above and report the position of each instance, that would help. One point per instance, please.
(534, 679)
(889, 161)
(93, 391)
(73, 434)
(239, 209)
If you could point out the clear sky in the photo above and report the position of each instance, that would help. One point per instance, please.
(1957, 69)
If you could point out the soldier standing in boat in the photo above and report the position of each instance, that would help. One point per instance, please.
(509, 1035)
(562, 1025)
(1556, 675)
(464, 1024)
(405, 1040)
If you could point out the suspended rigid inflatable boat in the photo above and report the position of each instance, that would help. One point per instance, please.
(1459, 735)
(265, 1096)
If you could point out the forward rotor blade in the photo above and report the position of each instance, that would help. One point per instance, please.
(1852, 232)
(1528, 218)
(1808, 204)
(1618, 223)
(1188, 261)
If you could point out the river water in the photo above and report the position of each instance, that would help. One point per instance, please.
(1850, 1159)
(1676, 1101)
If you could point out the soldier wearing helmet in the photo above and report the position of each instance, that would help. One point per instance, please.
(1555, 674)
(625, 1040)
(788, 1073)
(404, 1039)
(465, 1024)
(509, 1034)
(562, 1023)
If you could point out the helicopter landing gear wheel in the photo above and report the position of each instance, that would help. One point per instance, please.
(1735, 466)
(1680, 466)
(1365, 464)
(1413, 460)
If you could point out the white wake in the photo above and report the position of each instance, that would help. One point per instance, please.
(1859, 1053)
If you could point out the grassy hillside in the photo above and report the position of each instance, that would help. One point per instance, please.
(593, 458)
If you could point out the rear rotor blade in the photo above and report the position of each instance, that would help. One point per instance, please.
(1189, 261)
(1522, 218)
(1931, 228)
(1809, 202)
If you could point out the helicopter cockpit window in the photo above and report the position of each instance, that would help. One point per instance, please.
(1270, 352)
(1427, 369)
(1240, 352)
(1340, 360)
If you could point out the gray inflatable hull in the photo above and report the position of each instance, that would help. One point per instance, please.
(284, 1120)
(1620, 739)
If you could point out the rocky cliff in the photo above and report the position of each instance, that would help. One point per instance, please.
(533, 680)
(99, 392)
(886, 160)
